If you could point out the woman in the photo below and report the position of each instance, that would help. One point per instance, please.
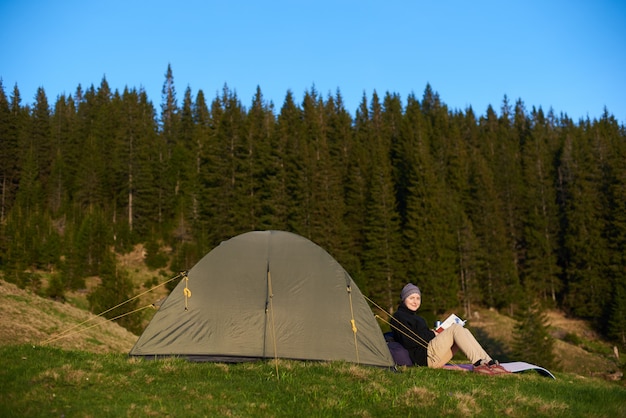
(427, 348)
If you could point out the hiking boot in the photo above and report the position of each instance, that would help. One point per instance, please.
(483, 369)
(482, 366)
(483, 362)
(491, 367)
(496, 368)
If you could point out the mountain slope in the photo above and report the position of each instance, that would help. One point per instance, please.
(578, 348)
(31, 319)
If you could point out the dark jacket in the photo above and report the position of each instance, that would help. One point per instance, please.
(411, 330)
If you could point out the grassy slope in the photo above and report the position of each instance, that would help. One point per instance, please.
(591, 356)
(89, 374)
(47, 381)
(30, 319)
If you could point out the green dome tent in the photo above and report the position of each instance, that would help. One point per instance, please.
(266, 294)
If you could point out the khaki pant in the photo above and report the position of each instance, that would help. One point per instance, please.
(442, 348)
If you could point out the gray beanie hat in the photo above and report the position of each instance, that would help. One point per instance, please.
(408, 290)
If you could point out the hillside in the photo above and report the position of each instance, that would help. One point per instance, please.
(28, 318)
(579, 349)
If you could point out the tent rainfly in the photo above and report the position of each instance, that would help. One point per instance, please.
(265, 295)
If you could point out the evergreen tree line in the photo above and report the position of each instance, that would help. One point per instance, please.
(504, 210)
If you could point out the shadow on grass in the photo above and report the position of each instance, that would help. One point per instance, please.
(495, 348)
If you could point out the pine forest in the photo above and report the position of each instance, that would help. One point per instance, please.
(506, 210)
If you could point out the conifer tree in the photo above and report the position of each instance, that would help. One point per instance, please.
(225, 172)
(615, 327)
(27, 226)
(616, 314)
(532, 339)
(509, 186)
(89, 183)
(202, 134)
(262, 166)
(309, 152)
(39, 136)
(585, 251)
(108, 120)
(29, 240)
(72, 269)
(429, 233)
(116, 289)
(138, 167)
(166, 175)
(403, 152)
(340, 142)
(540, 269)
(99, 124)
(356, 190)
(212, 172)
(468, 245)
(169, 110)
(326, 207)
(12, 120)
(381, 250)
(8, 168)
(612, 154)
(290, 195)
(64, 155)
(487, 214)
(189, 165)
(469, 265)
(183, 168)
(94, 239)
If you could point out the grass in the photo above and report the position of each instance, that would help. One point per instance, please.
(46, 381)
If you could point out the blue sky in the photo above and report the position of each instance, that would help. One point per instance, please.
(568, 55)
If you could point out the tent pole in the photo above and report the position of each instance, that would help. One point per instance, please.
(271, 297)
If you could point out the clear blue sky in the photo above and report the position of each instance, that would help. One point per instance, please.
(568, 55)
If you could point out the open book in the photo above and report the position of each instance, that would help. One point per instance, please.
(452, 319)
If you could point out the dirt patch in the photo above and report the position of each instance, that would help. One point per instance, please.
(563, 325)
(498, 327)
(134, 258)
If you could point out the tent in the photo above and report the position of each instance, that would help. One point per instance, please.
(266, 294)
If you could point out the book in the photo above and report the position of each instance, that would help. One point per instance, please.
(452, 319)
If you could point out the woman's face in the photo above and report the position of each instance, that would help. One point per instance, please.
(413, 301)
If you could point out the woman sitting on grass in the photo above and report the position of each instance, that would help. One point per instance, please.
(428, 348)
